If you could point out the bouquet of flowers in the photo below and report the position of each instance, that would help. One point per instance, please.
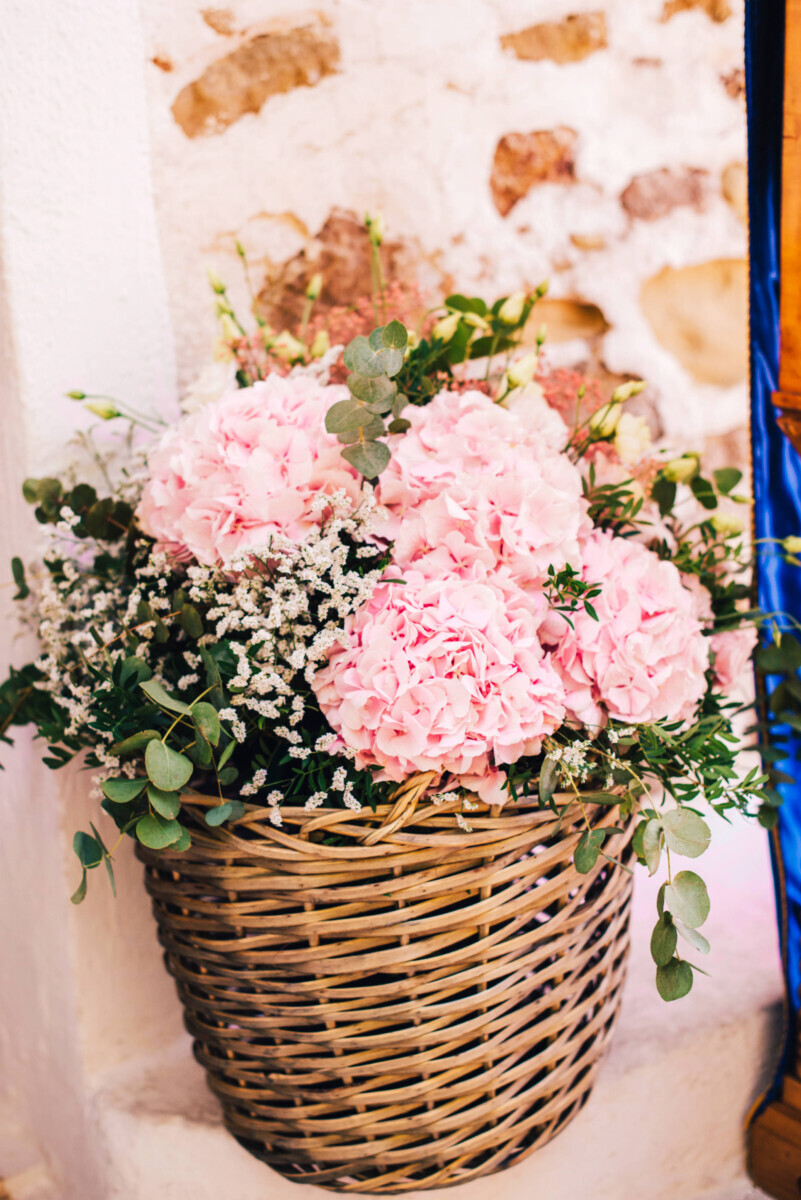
(426, 555)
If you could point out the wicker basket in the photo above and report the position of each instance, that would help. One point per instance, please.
(387, 1002)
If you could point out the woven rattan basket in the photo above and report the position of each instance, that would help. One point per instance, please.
(387, 1002)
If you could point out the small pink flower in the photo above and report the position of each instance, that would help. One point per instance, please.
(644, 659)
(731, 651)
(442, 674)
(243, 468)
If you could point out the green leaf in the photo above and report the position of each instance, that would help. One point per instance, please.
(106, 861)
(213, 679)
(685, 832)
(726, 479)
(378, 393)
(122, 791)
(226, 754)
(364, 359)
(344, 415)
(663, 941)
(168, 769)
(227, 775)
(369, 458)
(652, 845)
(768, 817)
(88, 849)
(399, 425)
(216, 816)
(550, 776)
(696, 939)
(687, 899)
(190, 621)
(134, 670)
(704, 492)
(664, 492)
(137, 741)
(166, 804)
(155, 692)
(372, 427)
(395, 336)
(588, 849)
(206, 721)
(18, 575)
(674, 980)
(183, 843)
(79, 895)
(156, 832)
(601, 798)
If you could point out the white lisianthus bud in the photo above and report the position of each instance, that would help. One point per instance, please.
(102, 408)
(522, 371)
(627, 390)
(603, 422)
(792, 545)
(727, 525)
(217, 284)
(632, 438)
(314, 286)
(375, 227)
(321, 344)
(478, 322)
(412, 340)
(446, 327)
(230, 330)
(511, 310)
(75, 395)
(287, 347)
(681, 470)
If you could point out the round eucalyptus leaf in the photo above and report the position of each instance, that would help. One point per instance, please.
(378, 393)
(88, 849)
(674, 980)
(370, 458)
(168, 769)
(156, 832)
(155, 692)
(696, 939)
(122, 791)
(166, 804)
(372, 427)
(663, 941)
(588, 849)
(652, 845)
(218, 814)
(687, 899)
(395, 336)
(685, 832)
(344, 415)
(206, 721)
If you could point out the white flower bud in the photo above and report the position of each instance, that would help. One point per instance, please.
(522, 371)
(375, 227)
(230, 331)
(627, 390)
(217, 284)
(727, 525)
(446, 327)
(511, 310)
(603, 422)
(102, 409)
(314, 286)
(792, 545)
(681, 470)
(287, 347)
(321, 344)
(632, 438)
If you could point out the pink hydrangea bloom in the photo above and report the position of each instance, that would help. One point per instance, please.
(525, 521)
(444, 674)
(243, 468)
(644, 659)
(732, 652)
(465, 433)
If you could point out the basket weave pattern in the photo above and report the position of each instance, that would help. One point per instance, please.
(386, 1002)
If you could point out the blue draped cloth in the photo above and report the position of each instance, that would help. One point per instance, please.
(776, 465)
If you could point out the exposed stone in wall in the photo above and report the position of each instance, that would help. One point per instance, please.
(523, 160)
(734, 83)
(164, 64)
(718, 10)
(654, 195)
(699, 314)
(569, 40)
(341, 253)
(221, 20)
(734, 185)
(567, 319)
(264, 66)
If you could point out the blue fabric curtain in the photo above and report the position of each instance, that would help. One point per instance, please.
(776, 466)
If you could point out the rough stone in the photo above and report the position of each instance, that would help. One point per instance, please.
(164, 63)
(734, 83)
(340, 252)
(264, 66)
(734, 185)
(569, 40)
(699, 314)
(221, 20)
(653, 195)
(717, 10)
(523, 160)
(566, 320)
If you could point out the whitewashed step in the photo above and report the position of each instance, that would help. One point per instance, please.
(664, 1122)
